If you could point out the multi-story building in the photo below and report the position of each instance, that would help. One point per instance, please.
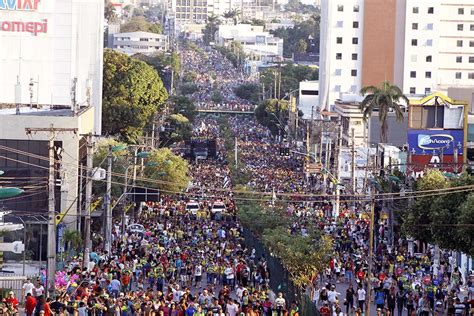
(197, 11)
(51, 53)
(140, 42)
(420, 45)
(256, 42)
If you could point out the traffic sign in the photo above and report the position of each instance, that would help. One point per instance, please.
(313, 167)
(15, 247)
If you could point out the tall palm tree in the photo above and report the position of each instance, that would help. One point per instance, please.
(385, 99)
(232, 15)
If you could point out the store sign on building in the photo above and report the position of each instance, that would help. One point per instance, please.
(19, 5)
(423, 142)
(33, 27)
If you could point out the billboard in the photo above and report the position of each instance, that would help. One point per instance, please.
(426, 142)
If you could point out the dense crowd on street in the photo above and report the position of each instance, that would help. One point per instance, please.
(186, 255)
(214, 75)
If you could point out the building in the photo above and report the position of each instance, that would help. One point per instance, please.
(437, 133)
(256, 42)
(51, 53)
(140, 42)
(197, 11)
(420, 45)
(20, 156)
(308, 99)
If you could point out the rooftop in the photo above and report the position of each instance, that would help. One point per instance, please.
(42, 111)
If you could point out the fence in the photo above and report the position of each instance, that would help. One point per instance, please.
(13, 283)
(279, 276)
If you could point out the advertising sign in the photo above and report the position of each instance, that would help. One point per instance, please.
(424, 142)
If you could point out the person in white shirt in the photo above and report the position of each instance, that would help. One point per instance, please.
(232, 308)
(333, 295)
(198, 275)
(38, 290)
(27, 288)
(229, 275)
(280, 304)
(361, 297)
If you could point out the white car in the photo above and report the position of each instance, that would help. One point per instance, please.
(192, 207)
(218, 207)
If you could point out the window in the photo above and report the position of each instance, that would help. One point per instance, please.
(470, 75)
(471, 59)
(339, 24)
(429, 26)
(340, 8)
(460, 11)
(428, 74)
(354, 88)
(356, 8)
(355, 40)
(458, 75)
(338, 72)
(415, 10)
(339, 56)
(427, 90)
(472, 27)
(429, 42)
(459, 43)
(459, 59)
(354, 72)
(414, 26)
(460, 27)
(414, 58)
(412, 74)
(339, 40)
(355, 24)
(337, 88)
(430, 10)
(412, 90)
(472, 11)
(414, 42)
(354, 56)
(429, 59)
(471, 43)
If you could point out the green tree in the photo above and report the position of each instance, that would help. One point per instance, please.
(212, 26)
(270, 113)
(216, 96)
(109, 11)
(139, 23)
(177, 128)
(132, 95)
(232, 15)
(72, 240)
(183, 105)
(302, 46)
(164, 63)
(385, 99)
(442, 218)
(170, 171)
(248, 91)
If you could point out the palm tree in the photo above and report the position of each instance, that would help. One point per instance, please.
(385, 99)
(232, 15)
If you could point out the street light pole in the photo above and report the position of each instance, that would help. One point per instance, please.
(108, 209)
(371, 250)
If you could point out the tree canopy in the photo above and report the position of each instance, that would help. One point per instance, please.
(442, 219)
(248, 91)
(271, 112)
(384, 99)
(307, 30)
(139, 23)
(132, 95)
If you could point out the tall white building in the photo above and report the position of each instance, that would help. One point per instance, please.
(420, 45)
(51, 53)
(140, 42)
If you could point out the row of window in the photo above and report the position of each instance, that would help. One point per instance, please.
(416, 10)
(413, 90)
(461, 27)
(339, 56)
(355, 24)
(414, 26)
(429, 42)
(459, 59)
(427, 74)
(338, 72)
(355, 40)
(355, 8)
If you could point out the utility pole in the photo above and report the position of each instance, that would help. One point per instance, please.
(236, 153)
(353, 179)
(337, 167)
(371, 250)
(51, 253)
(87, 208)
(108, 209)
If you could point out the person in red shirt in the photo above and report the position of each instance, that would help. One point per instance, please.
(11, 300)
(30, 304)
(47, 308)
(324, 310)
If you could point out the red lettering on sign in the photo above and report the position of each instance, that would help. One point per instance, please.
(30, 27)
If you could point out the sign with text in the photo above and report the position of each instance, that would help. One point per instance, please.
(425, 142)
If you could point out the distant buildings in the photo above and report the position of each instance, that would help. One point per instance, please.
(420, 45)
(259, 44)
(140, 42)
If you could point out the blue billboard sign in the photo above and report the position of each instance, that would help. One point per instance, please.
(426, 142)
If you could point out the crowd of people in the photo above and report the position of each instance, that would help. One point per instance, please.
(184, 260)
(216, 78)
